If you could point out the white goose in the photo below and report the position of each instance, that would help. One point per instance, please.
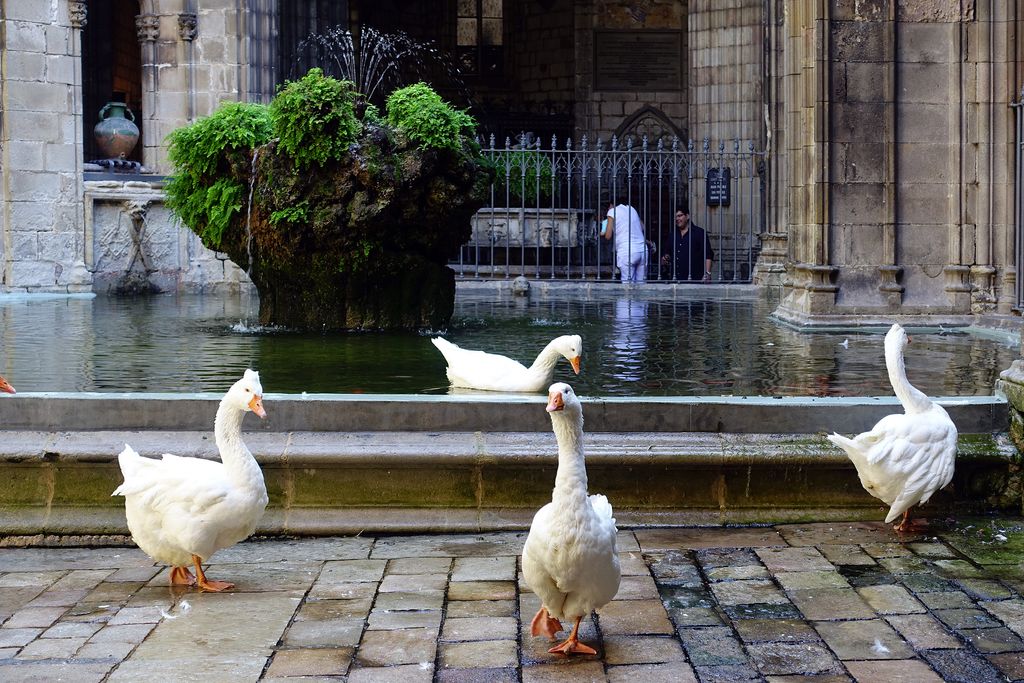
(904, 459)
(6, 387)
(569, 559)
(182, 510)
(491, 372)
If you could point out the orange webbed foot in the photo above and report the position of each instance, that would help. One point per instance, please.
(544, 623)
(181, 576)
(572, 647)
(215, 586)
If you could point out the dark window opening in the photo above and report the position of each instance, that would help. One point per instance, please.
(111, 68)
(479, 38)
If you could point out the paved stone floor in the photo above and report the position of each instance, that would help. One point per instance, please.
(824, 602)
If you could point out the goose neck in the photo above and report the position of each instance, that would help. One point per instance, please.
(912, 399)
(571, 479)
(227, 430)
(546, 359)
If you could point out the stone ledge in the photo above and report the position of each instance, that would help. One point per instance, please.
(60, 483)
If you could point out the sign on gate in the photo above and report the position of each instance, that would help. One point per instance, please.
(717, 186)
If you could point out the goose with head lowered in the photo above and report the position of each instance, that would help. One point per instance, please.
(182, 510)
(904, 458)
(491, 372)
(569, 558)
(6, 387)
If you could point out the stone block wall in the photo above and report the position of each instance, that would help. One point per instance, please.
(725, 54)
(40, 137)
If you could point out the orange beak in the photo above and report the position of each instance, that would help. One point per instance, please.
(575, 362)
(555, 401)
(256, 406)
(4, 386)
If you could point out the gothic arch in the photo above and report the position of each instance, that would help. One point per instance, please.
(652, 122)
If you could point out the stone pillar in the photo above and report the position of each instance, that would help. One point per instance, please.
(40, 148)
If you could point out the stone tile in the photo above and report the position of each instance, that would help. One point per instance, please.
(51, 648)
(684, 617)
(8, 652)
(904, 565)
(642, 650)
(793, 559)
(816, 579)
(137, 615)
(413, 582)
(932, 549)
(775, 631)
(343, 591)
(71, 629)
(632, 564)
(39, 579)
(1010, 612)
(385, 648)
(58, 598)
(899, 671)
(625, 541)
(762, 611)
(959, 569)
(711, 646)
(923, 632)
(116, 592)
(868, 639)
(837, 533)
(410, 673)
(35, 617)
(681, 596)
(484, 569)
(127, 633)
(793, 658)
(509, 675)
(960, 665)
(481, 608)
(880, 550)
(927, 583)
(419, 565)
(450, 545)
(410, 601)
(634, 617)
(846, 555)
(320, 609)
(743, 592)
(386, 620)
(576, 670)
(637, 588)
(675, 569)
(352, 571)
(81, 578)
(107, 650)
(653, 540)
(831, 603)
(993, 640)
(237, 653)
(727, 673)
(479, 628)
(950, 600)
(18, 637)
(481, 590)
(324, 633)
(479, 654)
(965, 618)
(823, 678)
(985, 589)
(715, 558)
(858, 576)
(54, 670)
(134, 574)
(1010, 665)
(310, 662)
(669, 672)
(737, 573)
(890, 600)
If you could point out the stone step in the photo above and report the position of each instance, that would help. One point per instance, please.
(322, 482)
(482, 411)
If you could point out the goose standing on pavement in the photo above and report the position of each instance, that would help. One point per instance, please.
(905, 458)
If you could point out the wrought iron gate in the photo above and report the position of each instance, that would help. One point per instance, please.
(546, 206)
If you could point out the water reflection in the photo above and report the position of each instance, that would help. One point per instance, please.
(627, 342)
(632, 346)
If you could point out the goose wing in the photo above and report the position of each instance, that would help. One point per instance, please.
(478, 369)
(192, 485)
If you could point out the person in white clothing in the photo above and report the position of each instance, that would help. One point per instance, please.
(626, 228)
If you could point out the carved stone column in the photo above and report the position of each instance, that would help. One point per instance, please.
(958, 287)
(889, 284)
(147, 28)
(983, 298)
(188, 29)
(770, 269)
(77, 277)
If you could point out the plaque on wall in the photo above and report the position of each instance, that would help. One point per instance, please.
(638, 60)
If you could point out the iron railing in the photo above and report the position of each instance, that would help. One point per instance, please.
(545, 207)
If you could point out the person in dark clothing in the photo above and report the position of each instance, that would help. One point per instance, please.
(691, 255)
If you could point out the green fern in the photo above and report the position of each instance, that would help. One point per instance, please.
(427, 119)
(314, 118)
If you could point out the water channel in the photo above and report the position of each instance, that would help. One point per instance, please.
(699, 344)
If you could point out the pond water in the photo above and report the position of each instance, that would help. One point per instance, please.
(708, 344)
